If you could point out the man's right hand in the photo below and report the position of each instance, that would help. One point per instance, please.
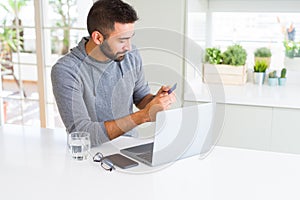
(161, 101)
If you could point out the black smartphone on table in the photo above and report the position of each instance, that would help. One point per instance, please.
(121, 161)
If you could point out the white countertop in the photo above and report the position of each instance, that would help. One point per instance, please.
(35, 164)
(287, 96)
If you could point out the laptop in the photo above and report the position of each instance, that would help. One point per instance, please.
(179, 133)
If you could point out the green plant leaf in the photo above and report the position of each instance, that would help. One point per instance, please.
(235, 55)
(260, 66)
(263, 52)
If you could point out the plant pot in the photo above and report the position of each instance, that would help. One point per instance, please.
(272, 81)
(5, 110)
(224, 74)
(258, 78)
(281, 81)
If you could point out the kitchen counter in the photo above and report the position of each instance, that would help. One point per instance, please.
(287, 96)
(252, 116)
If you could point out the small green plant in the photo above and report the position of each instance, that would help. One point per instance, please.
(8, 38)
(260, 66)
(213, 55)
(235, 55)
(14, 6)
(263, 52)
(292, 48)
(63, 9)
(283, 73)
(273, 74)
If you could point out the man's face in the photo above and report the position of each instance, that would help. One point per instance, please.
(118, 42)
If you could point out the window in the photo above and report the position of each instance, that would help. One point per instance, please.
(18, 75)
(253, 30)
(63, 28)
(55, 28)
(220, 23)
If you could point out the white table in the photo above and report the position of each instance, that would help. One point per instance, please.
(35, 164)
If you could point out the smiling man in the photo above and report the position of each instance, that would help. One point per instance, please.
(97, 83)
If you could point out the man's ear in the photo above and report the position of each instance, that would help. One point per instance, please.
(97, 37)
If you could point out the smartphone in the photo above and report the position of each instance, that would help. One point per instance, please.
(172, 88)
(121, 161)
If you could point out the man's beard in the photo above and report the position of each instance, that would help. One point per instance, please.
(106, 50)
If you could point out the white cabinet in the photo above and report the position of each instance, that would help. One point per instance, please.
(246, 127)
(242, 126)
(259, 128)
(286, 130)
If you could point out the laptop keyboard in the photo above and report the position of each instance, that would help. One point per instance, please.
(146, 156)
(142, 152)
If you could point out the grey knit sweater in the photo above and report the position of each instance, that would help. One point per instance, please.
(89, 92)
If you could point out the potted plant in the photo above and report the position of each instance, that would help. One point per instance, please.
(263, 53)
(227, 67)
(235, 55)
(292, 48)
(213, 55)
(260, 68)
(5, 104)
(8, 44)
(272, 80)
(292, 54)
(63, 8)
(282, 78)
(14, 7)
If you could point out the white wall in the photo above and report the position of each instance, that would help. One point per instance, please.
(160, 38)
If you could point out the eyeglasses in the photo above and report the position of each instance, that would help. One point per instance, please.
(105, 162)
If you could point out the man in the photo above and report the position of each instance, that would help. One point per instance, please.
(97, 83)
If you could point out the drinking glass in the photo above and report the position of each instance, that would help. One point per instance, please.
(79, 145)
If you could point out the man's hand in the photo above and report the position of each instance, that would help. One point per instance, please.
(164, 89)
(161, 101)
(149, 107)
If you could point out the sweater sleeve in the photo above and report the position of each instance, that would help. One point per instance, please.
(68, 93)
(141, 86)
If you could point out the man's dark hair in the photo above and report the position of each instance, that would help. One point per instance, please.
(104, 13)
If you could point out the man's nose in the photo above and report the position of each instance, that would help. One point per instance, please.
(127, 46)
